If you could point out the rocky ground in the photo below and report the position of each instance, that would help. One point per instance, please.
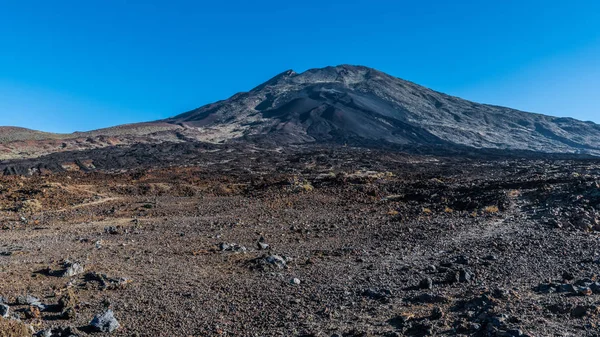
(244, 241)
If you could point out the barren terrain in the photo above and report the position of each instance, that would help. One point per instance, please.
(223, 240)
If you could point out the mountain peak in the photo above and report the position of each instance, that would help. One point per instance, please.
(356, 103)
(276, 79)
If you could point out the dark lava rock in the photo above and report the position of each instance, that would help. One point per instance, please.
(559, 308)
(464, 276)
(583, 311)
(436, 313)
(462, 260)
(430, 298)
(567, 276)
(4, 310)
(426, 284)
(377, 294)
(453, 276)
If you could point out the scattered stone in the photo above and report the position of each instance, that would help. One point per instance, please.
(500, 293)
(560, 308)
(276, 260)
(464, 276)
(567, 276)
(44, 333)
(462, 260)
(262, 246)
(59, 332)
(106, 282)
(295, 281)
(4, 310)
(232, 247)
(112, 230)
(436, 313)
(480, 303)
(105, 322)
(584, 291)
(426, 283)
(581, 311)
(72, 269)
(453, 276)
(430, 298)
(31, 301)
(546, 288)
(377, 294)
(514, 333)
(401, 321)
(446, 264)
(421, 328)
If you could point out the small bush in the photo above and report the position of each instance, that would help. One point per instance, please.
(491, 210)
(30, 206)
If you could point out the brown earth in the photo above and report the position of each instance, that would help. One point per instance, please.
(362, 231)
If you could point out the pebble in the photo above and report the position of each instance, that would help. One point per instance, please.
(464, 276)
(276, 260)
(105, 322)
(231, 247)
(462, 260)
(4, 310)
(295, 281)
(72, 269)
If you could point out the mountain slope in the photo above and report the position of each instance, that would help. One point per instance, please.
(344, 105)
(359, 104)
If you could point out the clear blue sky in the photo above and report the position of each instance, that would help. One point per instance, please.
(79, 65)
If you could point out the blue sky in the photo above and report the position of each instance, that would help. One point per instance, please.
(80, 65)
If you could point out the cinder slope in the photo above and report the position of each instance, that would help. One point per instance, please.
(355, 103)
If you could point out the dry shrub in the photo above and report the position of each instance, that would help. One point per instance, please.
(491, 210)
(514, 193)
(30, 206)
(306, 187)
